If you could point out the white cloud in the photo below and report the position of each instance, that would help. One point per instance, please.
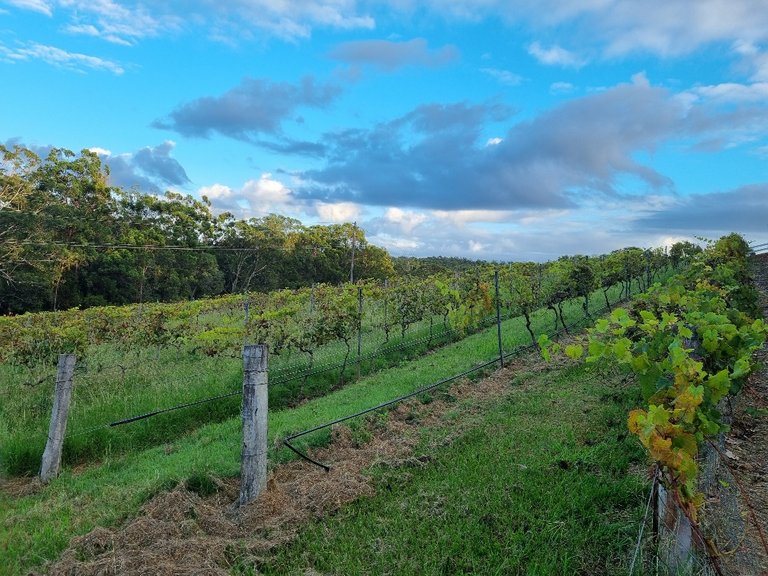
(100, 151)
(338, 212)
(503, 76)
(731, 92)
(59, 58)
(555, 56)
(40, 6)
(561, 87)
(406, 220)
(267, 190)
(476, 247)
(216, 192)
(495, 141)
(463, 217)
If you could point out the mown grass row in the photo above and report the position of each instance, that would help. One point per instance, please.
(543, 484)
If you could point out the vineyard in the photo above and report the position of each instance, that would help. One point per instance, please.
(144, 359)
(155, 380)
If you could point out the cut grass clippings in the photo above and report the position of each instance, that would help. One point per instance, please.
(542, 484)
(515, 473)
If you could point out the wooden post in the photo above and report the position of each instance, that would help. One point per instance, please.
(58, 428)
(359, 330)
(498, 318)
(352, 265)
(253, 461)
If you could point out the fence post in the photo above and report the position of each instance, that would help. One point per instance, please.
(253, 461)
(58, 428)
(498, 318)
(359, 329)
(247, 310)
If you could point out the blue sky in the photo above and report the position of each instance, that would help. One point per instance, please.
(480, 128)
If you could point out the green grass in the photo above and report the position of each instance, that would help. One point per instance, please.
(38, 527)
(111, 384)
(541, 484)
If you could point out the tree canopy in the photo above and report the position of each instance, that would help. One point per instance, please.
(70, 239)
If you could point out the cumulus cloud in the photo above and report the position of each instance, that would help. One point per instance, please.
(257, 197)
(436, 158)
(389, 56)
(338, 212)
(150, 169)
(59, 58)
(254, 107)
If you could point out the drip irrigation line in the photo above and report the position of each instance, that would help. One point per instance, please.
(87, 431)
(489, 320)
(173, 408)
(287, 440)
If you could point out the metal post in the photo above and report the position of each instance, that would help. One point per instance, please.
(253, 460)
(58, 428)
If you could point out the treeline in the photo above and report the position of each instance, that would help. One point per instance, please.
(69, 239)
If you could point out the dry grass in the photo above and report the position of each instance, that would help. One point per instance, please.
(181, 533)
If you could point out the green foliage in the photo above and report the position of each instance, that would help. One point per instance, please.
(68, 239)
(690, 344)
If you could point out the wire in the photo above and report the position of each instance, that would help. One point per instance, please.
(422, 390)
(638, 545)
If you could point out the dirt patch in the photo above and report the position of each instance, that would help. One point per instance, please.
(182, 533)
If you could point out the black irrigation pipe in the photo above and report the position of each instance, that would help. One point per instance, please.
(487, 321)
(515, 352)
(138, 417)
(422, 390)
(173, 408)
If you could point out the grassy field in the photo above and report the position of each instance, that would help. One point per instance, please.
(112, 383)
(135, 462)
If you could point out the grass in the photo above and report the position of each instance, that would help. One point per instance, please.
(541, 484)
(112, 384)
(36, 528)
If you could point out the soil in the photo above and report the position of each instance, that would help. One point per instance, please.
(181, 533)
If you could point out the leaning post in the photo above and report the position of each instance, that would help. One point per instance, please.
(253, 461)
(58, 428)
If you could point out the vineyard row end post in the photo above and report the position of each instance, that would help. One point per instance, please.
(59, 414)
(498, 318)
(253, 460)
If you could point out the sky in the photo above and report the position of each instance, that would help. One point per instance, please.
(488, 129)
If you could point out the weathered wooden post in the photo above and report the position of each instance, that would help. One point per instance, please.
(359, 330)
(58, 428)
(498, 318)
(253, 461)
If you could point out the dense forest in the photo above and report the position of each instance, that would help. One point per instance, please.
(69, 239)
